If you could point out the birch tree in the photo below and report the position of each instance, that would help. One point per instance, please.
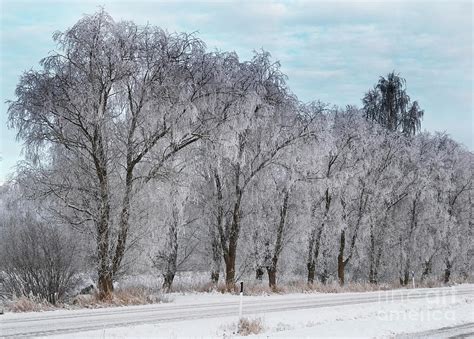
(115, 103)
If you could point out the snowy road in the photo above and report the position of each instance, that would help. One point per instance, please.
(216, 306)
(459, 331)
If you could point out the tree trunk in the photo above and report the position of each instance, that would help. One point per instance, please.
(216, 259)
(104, 270)
(311, 266)
(215, 232)
(447, 272)
(170, 272)
(168, 278)
(259, 273)
(426, 270)
(172, 248)
(105, 285)
(340, 258)
(404, 279)
(230, 263)
(372, 258)
(215, 277)
(272, 277)
(341, 262)
(230, 272)
(406, 255)
(124, 222)
(406, 274)
(373, 272)
(324, 276)
(233, 239)
(272, 268)
(340, 271)
(315, 240)
(103, 227)
(377, 264)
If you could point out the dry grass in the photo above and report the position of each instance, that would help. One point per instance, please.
(247, 326)
(295, 286)
(25, 304)
(205, 287)
(334, 287)
(430, 283)
(122, 297)
(139, 296)
(300, 286)
(147, 291)
(85, 300)
(303, 287)
(263, 289)
(199, 282)
(202, 287)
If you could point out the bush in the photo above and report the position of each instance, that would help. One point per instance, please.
(37, 261)
(248, 326)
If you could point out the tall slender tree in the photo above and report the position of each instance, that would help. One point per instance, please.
(411, 121)
(389, 105)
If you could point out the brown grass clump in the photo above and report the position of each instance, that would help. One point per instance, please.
(85, 300)
(203, 287)
(122, 297)
(25, 304)
(264, 289)
(206, 287)
(248, 326)
(138, 296)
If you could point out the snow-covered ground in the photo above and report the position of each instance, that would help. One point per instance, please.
(372, 314)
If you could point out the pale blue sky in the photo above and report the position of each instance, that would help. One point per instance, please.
(333, 50)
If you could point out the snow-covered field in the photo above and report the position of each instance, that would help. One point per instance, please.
(371, 314)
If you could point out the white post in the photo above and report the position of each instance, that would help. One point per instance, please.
(413, 278)
(241, 299)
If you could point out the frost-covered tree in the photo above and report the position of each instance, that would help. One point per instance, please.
(389, 105)
(356, 192)
(333, 169)
(264, 123)
(272, 221)
(113, 105)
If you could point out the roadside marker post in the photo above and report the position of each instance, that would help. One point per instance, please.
(241, 298)
(413, 278)
(241, 295)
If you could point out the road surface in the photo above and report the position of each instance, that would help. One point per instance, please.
(451, 332)
(62, 322)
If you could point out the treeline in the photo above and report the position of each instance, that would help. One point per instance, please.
(146, 151)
